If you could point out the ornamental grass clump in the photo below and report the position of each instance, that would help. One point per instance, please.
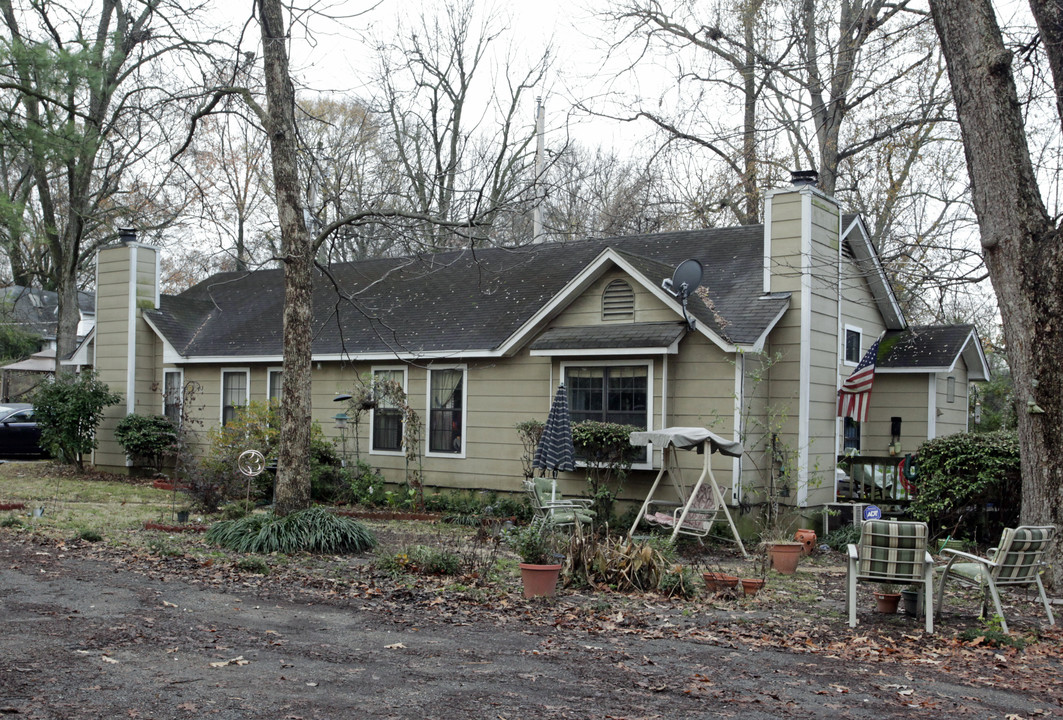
(313, 530)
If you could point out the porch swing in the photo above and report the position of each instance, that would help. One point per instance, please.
(696, 508)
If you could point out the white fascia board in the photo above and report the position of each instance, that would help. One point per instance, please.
(170, 356)
(758, 344)
(912, 370)
(972, 350)
(594, 270)
(80, 356)
(878, 281)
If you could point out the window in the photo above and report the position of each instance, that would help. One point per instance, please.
(851, 435)
(233, 393)
(386, 423)
(618, 301)
(615, 394)
(172, 395)
(446, 418)
(274, 384)
(950, 389)
(853, 340)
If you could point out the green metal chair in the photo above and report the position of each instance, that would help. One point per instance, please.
(1018, 560)
(891, 552)
(553, 509)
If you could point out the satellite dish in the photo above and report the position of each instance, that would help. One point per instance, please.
(684, 281)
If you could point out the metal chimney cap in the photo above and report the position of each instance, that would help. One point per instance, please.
(800, 178)
(127, 235)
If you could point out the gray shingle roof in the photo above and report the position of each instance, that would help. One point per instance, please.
(460, 300)
(923, 346)
(613, 335)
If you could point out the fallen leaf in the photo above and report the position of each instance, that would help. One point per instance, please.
(395, 646)
(235, 661)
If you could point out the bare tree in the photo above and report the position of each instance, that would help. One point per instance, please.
(89, 115)
(1021, 241)
(456, 155)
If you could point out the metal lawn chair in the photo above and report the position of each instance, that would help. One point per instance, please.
(553, 509)
(1018, 560)
(891, 552)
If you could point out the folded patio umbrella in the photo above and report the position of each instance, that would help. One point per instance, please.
(555, 450)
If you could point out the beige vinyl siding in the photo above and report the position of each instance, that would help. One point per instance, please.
(896, 395)
(112, 328)
(587, 308)
(117, 275)
(952, 416)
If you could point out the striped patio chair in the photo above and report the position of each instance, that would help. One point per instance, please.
(1017, 560)
(891, 552)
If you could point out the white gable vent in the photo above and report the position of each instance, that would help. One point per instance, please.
(847, 251)
(618, 301)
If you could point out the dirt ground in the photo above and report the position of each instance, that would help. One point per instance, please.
(96, 630)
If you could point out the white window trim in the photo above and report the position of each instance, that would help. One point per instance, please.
(620, 362)
(221, 389)
(269, 374)
(180, 385)
(845, 336)
(405, 388)
(464, 411)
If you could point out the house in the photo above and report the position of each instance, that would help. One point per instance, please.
(36, 312)
(480, 339)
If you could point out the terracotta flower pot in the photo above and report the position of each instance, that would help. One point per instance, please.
(751, 586)
(725, 581)
(784, 556)
(711, 582)
(887, 602)
(539, 580)
(807, 538)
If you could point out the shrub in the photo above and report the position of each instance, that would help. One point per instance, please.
(312, 530)
(621, 564)
(609, 453)
(255, 426)
(959, 474)
(147, 437)
(423, 560)
(68, 410)
(679, 582)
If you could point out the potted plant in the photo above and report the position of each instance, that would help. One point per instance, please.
(752, 585)
(783, 552)
(888, 598)
(912, 600)
(539, 566)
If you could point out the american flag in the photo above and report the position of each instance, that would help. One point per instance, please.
(855, 394)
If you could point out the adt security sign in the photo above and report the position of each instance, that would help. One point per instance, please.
(872, 512)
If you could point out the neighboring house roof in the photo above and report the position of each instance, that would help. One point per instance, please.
(40, 362)
(933, 348)
(37, 311)
(465, 300)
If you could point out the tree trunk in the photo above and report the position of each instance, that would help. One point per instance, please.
(1021, 246)
(293, 461)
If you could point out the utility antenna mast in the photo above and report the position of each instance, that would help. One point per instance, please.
(540, 130)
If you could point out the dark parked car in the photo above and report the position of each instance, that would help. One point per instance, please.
(19, 434)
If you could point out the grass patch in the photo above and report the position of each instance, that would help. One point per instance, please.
(313, 530)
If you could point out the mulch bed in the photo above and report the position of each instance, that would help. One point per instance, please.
(175, 528)
(12, 506)
(391, 515)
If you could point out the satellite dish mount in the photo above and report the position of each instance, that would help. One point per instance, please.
(684, 281)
